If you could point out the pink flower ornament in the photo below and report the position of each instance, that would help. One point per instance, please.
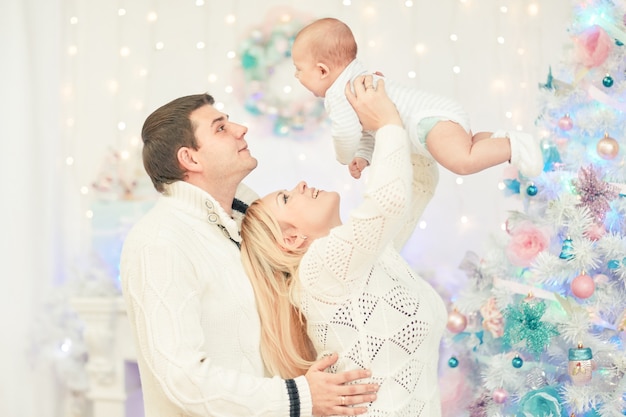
(527, 241)
(593, 46)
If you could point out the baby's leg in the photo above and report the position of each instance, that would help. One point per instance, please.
(462, 153)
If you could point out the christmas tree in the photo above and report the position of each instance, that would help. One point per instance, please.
(539, 330)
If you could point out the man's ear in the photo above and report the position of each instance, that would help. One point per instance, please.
(323, 70)
(187, 159)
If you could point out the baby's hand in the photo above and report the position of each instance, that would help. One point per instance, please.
(356, 166)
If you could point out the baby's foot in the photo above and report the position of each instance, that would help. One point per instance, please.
(526, 152)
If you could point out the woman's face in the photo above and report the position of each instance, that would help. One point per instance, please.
(304, 211)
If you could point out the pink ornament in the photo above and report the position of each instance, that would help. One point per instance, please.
(607, 147)
(457, 322)
(500, 395)
(566, 123)
(583, 286)
(593, 46)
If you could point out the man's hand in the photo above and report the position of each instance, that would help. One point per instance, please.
(330, 393)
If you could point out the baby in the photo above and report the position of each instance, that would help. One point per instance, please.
(324, 54)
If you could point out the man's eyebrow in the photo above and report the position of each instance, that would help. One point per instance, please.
(219, 119)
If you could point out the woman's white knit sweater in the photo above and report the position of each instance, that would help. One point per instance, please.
(193, 313)
(362, 299)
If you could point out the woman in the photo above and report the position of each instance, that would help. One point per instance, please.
(323, 286)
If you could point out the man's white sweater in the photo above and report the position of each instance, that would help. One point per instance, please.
(193, 313)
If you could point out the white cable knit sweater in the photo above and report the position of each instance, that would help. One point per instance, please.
(193, 313)
(363, 300)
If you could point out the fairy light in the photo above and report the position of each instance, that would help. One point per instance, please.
(230, 19)
(504, 9)
(89, 214)
(408, 3)
(124, 51)
(347, 3)
(69, 161)
(454, 37)
(412, 74)
(159, 46)
(199, 3)
(464, 219)
(456, 69)
(228, 89)
(533, 9)
(422, 224)
(508, 115)
(84, 190)
(152, 17)
(500, 40)
(121, 12)
(420, 48)
(369, 11)
(231, 54)
(459, 180)
(212, 77)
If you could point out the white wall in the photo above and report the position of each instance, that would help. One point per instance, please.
(103, 88)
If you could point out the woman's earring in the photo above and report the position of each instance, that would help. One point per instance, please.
(303, 237)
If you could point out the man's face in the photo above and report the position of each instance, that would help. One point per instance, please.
(222, 148)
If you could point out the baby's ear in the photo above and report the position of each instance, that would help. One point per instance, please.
(323, 70)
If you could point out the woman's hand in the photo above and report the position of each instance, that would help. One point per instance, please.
(372, 104)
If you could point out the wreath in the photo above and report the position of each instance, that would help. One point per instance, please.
(270, 88)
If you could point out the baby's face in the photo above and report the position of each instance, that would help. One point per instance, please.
(314, 76)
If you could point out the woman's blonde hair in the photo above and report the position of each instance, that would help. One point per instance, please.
(272, 268)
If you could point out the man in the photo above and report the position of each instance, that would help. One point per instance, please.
(190, 304)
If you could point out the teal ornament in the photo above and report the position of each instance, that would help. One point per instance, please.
(453, 362)
(614, 264)
(543, 402)
(618, 42)
(249, 61)
(567, 252)
(512, 186)
(517, 362)
(281, 127)
(548, 85)
(607, 81)
(579, 365)
(531, 190)
(551, 158)
(523, 324)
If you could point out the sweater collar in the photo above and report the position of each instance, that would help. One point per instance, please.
(200, 204)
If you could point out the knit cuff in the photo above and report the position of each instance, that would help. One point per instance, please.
(294, 398)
